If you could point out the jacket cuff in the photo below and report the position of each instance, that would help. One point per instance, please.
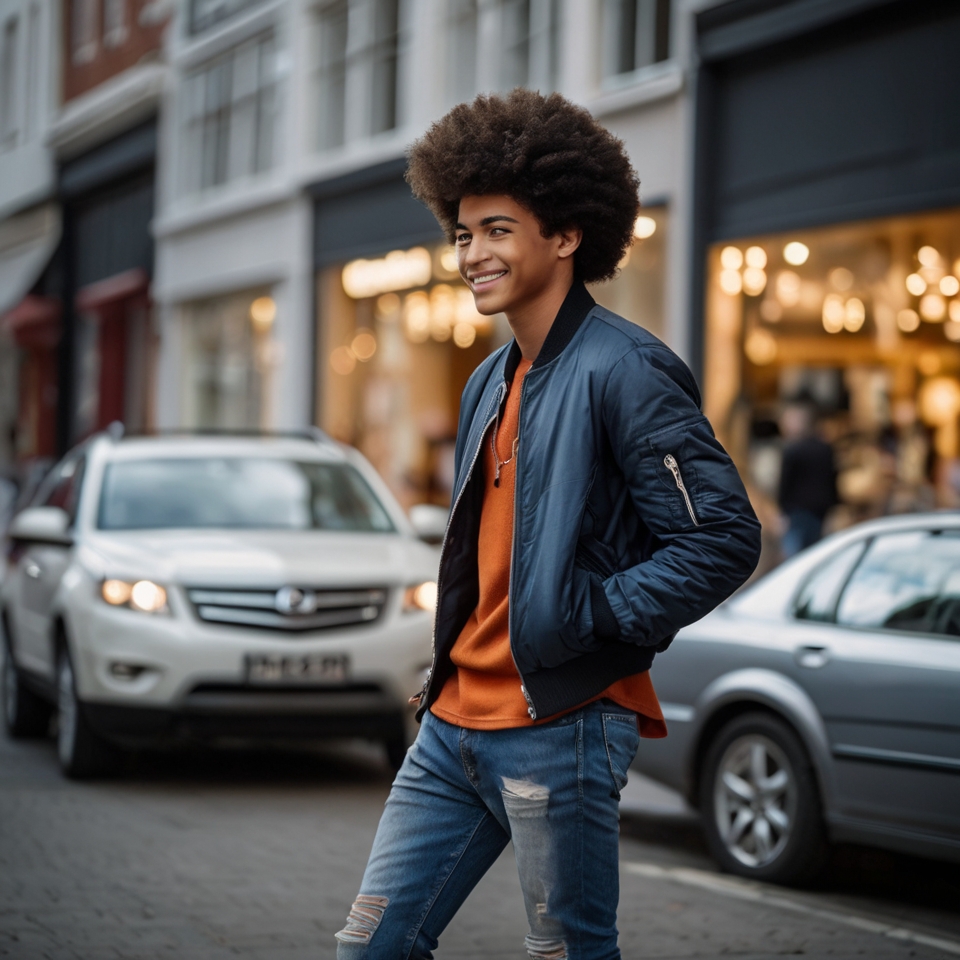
(605, 625)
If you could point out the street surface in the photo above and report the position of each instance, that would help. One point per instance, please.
(258, 855)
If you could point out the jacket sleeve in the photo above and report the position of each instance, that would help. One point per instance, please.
(686, 490)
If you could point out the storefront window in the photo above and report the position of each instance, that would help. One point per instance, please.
(230, 358)
(637, 293)
(399, 336)
(860, 323)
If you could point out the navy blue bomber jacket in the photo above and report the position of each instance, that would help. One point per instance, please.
(630, 519)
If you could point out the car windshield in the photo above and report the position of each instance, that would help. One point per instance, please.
(249, 493)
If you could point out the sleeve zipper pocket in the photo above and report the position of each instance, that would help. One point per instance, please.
(670, 462)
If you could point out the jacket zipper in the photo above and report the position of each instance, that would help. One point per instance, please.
(670, 462)
(421, 696)
(531, 709)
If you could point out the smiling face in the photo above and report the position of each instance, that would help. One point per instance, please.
(505, 259)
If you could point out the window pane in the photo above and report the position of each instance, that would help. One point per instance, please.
(463, 50)
(516, 49)
(906, 581)
(383, 114)
(818, 598)
(238, 493)
(637, 34)
(332, 74)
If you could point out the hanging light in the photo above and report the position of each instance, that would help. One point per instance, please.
(796, 253)
(933, 307)
(908, 320)
(731, 258)
(834, 313)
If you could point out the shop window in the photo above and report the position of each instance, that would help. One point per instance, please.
(9, 102)
(636, 34)
(637, 293)
(860, 323)
(231, 106)
(399, 336)
(230, 358)
(357, 52)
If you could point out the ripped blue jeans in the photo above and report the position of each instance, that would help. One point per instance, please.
(461, 795)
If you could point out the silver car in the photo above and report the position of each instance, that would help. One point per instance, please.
(823, 704)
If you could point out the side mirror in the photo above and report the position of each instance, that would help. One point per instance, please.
(41, 524)
(429, 521)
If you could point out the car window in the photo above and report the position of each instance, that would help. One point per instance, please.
(238, 493)
(61, 487)
(906, 581)
(817, 599)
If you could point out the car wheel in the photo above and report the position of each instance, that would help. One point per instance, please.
(24, 713)
(81, 752)
(760, 803)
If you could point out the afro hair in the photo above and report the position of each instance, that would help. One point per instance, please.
(549, 155)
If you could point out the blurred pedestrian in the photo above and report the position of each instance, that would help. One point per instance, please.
(594, 514)
(808, 478)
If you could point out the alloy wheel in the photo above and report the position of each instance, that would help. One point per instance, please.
(755, 800)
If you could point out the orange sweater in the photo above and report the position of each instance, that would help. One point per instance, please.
(484, 691)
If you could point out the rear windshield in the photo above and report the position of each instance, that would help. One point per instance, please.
(246, 493)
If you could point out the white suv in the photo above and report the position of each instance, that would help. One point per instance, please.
(213, 587)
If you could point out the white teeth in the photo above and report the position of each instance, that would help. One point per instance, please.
(487, 277)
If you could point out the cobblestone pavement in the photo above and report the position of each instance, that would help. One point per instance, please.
(258, 855)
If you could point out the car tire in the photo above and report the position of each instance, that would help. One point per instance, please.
(760, 802)
(82, 753)
(24, 713)
(396, 748)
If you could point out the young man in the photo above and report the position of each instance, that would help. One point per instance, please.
(594, 514)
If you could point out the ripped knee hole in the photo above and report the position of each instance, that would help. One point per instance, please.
(364, 918)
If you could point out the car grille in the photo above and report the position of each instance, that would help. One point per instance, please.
(290, 609)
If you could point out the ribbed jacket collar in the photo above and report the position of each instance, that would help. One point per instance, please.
(573, 311)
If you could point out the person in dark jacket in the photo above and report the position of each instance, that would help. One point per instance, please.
(808, 478)
(594, 514)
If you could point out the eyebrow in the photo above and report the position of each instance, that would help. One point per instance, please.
(486, 221)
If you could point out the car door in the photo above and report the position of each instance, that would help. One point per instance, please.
(40, 569)
(878, 649)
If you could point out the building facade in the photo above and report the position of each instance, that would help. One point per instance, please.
(797, 242)
(30, 227)
(80, 85)
(825, 254)
(284, 128)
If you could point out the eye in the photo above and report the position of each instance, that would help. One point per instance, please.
(462, 238)
(498, 231)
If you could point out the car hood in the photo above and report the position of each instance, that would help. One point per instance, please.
(261, 558)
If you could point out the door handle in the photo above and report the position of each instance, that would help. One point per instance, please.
(32, 569)
(812, 657)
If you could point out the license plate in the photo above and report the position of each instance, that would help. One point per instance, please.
(297, 668)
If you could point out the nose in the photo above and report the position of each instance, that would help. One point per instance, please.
(473, 253)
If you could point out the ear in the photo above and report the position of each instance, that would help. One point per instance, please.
(569, 240)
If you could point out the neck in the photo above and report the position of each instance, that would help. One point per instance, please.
(531, 322)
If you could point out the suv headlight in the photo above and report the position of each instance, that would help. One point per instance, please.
(143, 595)
(421, 596)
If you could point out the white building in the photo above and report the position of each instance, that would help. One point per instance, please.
(281, 160)
(29, 221)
